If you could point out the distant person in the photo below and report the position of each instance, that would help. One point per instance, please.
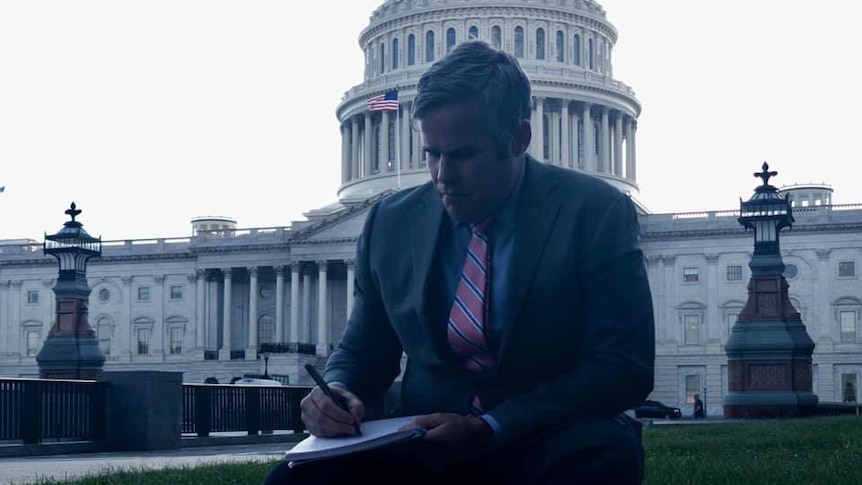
(698, 407)
(210, 380)
(518, 292)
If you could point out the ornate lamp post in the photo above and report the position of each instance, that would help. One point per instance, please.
(769, 350)
(71, 350)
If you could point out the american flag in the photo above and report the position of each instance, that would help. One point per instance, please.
(384, 102)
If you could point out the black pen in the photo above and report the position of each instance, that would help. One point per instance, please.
(337, 398)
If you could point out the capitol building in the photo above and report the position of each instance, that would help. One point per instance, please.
(216, 303)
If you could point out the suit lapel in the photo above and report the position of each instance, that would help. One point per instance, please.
(535, 213)
(426, 229)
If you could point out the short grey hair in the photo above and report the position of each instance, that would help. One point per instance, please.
(476, 71)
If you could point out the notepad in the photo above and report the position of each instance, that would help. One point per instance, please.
(375, 434)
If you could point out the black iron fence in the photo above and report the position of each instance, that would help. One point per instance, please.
(211, 408)
(289, 348)
(36, 410)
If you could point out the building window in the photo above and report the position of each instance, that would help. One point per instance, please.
(473, 33)
(382, 57)
(731, 318)
(497, 37)
(561, 46)
(411, 50)
(540, 43)
(266, 330)
(847, 269)
(143, 337)
(591, 54)
(734, 273)
(790, 271)
(144, 293)
(692, 329)
(176, 292)
(576, 50)
(848, 388)
(519, 42)
(692, 387)
(103, 333)
(396, 60)
(32, 337)
(33, 297)
(176, 340)
(690, 274)
(429, 46)
(450, 40)
(265, 291)
(847, 321)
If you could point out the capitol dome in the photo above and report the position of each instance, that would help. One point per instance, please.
(564, 46)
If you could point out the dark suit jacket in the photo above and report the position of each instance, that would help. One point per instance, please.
(578, 340)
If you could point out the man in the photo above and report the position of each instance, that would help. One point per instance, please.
(698, 407)
(518, 293)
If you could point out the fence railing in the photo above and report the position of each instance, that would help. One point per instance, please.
(35, 410)
(212, 408)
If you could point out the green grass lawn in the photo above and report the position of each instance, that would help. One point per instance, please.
(806, 451)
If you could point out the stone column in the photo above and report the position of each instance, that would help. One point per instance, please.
(200, 311)
(589, 138)
(605, 143)
(629, 153)
(279, 304)
(554, 137)
(576, 159)
(354, 149)
(294, 302)
(125, 334)
(418, 154)
(383, 151)
(540, 128)
(823, 285)
(534, 141)
(345, 152)
(17, 347)
(670, 278)
(351, 276)
(159, 329)
(366, 159)
(714, 322)
(403, 157)
(322, 313)
(212, 312)
(224, 352)
(565, 134)
(618, 145)
(633, 177)
(306, 308)
(7, 330)
(251, 350)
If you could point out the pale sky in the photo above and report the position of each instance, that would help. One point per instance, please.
(149, 113)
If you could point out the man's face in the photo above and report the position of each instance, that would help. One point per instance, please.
(464, 162)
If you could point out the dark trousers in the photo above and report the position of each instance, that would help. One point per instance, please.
(589, 451)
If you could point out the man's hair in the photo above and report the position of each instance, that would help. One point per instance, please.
(476, 71)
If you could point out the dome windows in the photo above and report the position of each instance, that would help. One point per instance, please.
(497, 37)
(540, 44)
(473, 33)
(560, 46)
(519, 42)
(429, 46)
(576, 50)
(450, 39)
(396, 53)
(411, 50)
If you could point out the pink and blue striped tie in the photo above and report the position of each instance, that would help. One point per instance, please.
(468, 318)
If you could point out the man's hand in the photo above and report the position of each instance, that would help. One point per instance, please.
(451, 428)
(324, 418)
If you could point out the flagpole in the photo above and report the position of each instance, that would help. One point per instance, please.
(398, 145)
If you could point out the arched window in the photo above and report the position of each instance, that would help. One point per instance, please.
(473, 33)
(411, 50)
(519, 42)
(540, 44)
(396, 54)
(561, 47)
(496, 37)
(429, 46)
(450, 40)
(576, 50)
(382, 57)
(591, 54)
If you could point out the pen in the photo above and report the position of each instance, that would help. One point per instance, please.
(337, 398)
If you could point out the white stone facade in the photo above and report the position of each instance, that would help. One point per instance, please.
(198, 301)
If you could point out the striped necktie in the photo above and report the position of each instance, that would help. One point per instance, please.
(468, 319)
